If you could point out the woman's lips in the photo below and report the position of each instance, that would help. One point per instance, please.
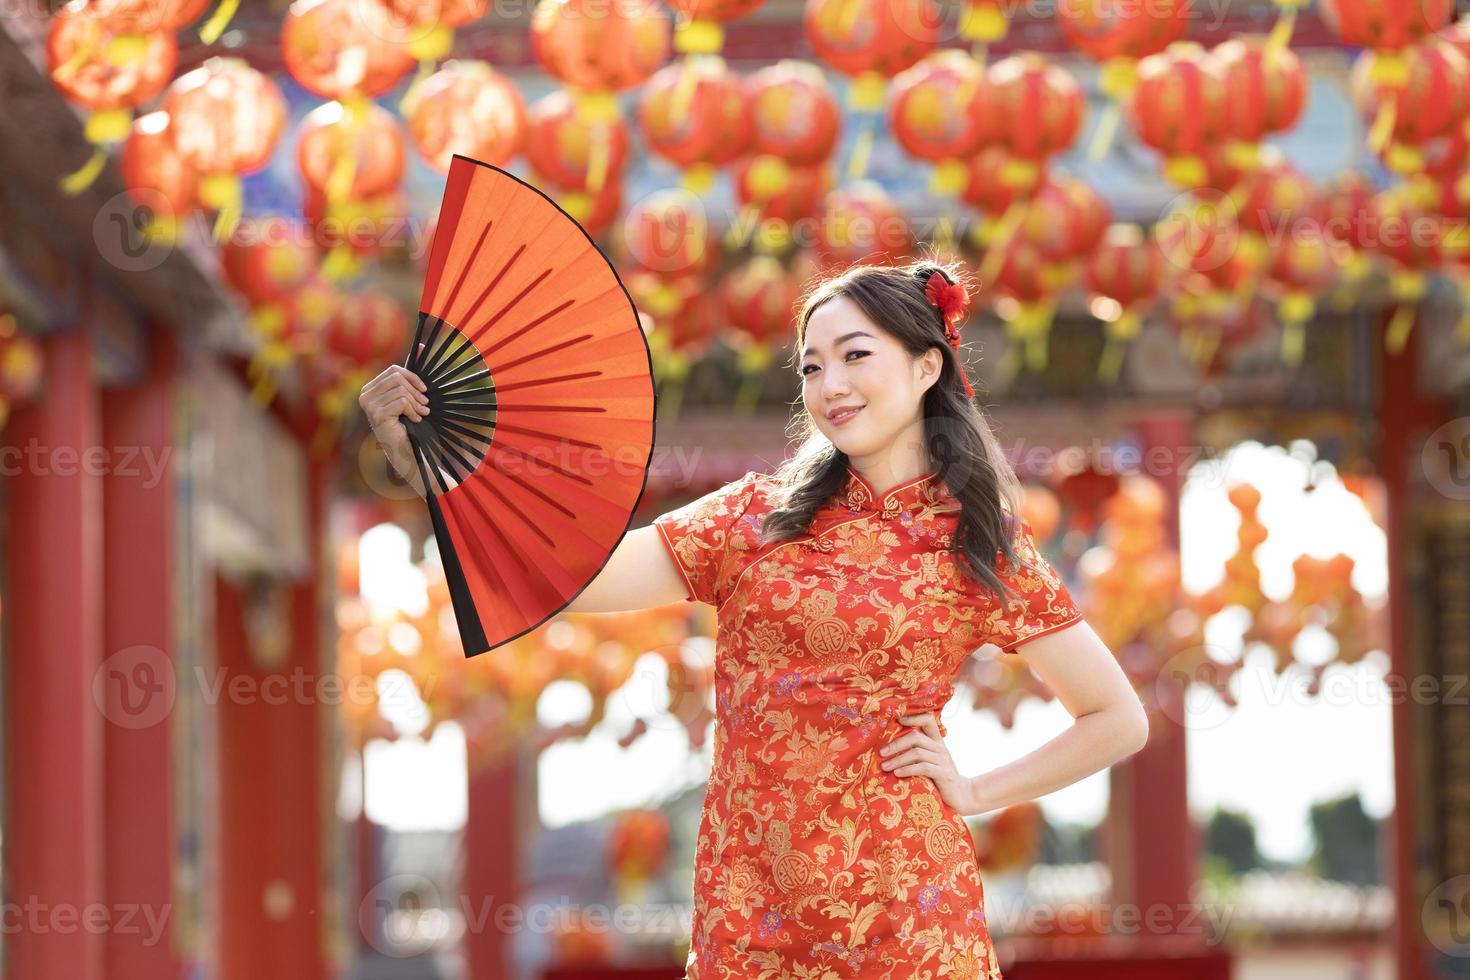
(843, 417)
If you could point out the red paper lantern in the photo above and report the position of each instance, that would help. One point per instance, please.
(987, 189)
(351, 230)
(1265, 88)
(99, 66)
(469, 108)
(226, 118)
(1429, 101)
(1038, 110)
(1066, 219)
(1386, 25)
(1124, 274)
(600, 47)
(266, 259)
(343, 49)
(425, 28)
(860, 222)
(1178, 109)
(871, 40)
(369, 330)
(1299, 271)
(1024, 292)
(353, 153)
(794, 115)
(940, 111)
(559, 145)
(1118, 35)
(775, 198)
(699, 27)
(593, 211)
(155, 176)
(759, 302)
(694, 113)
(668, 233)
(145, 16)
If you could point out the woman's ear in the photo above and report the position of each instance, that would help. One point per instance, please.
(929, 366)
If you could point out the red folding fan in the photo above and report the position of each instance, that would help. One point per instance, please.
(536, 447)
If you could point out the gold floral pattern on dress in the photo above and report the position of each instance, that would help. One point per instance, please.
(812, 861)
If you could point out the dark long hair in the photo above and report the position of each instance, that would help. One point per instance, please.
(960, 444)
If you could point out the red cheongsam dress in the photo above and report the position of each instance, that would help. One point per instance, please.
(812, 861)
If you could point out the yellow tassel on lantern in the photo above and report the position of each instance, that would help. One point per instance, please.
(699, 37)
(1117, 80)
(1186, 171)
(754, 361)
(1383, 124)
(598, 110)
(221, 194)
(1119, 333)
(211, 30)
(1295, 310)
(1408, 287)
(949, 178)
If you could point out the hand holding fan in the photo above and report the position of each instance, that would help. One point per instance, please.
(536, 446)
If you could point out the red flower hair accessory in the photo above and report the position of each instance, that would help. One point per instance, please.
(952, 300)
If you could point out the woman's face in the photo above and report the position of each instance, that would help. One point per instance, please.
(849, 362)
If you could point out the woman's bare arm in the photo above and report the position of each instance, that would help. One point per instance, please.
(1109, 722)
(640, 574)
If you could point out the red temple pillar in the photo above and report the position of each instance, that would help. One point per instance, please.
(137, 564)
(271, 784)
(501, 801)
(54, 830)
(1151, 845)
(1404, 421)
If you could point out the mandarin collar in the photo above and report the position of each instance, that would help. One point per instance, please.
(858, 495)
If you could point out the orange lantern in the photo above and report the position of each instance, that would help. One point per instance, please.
(226, 118)
(593, 211)
(1427, 101)
(560, 146)
(1412, 240)
(870, 41)
(986, 190)
(1123, 274)
(265, 260)
(1118, 36)
(345, 157)
(774, 200)
(138, 17)
(794, 115)
(369, 331)
(1350, 221)
(1178, 108)
(759, 300)
(469, 108)
(343, 49)
(699, 24)
(1265, 90)
(99, 66)
(1066, 220)
(683, 322)
(695, 114)
(597, 50)
(939, 110)
(156, 177)
(1386, 26)
(1025, 294)
(1300, 270)
(1274, 205)
(861, 223)
(669, 234)
(355, 229)
(1038, 107)
(306, 314)
(425, 28)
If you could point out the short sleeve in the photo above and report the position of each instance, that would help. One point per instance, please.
(705, 540)
(1042, 603)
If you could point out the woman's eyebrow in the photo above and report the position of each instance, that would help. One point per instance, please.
(844, 338)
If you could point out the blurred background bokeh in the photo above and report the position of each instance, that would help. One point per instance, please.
(1222, 331)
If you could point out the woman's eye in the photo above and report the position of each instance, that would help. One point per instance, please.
(852, 353)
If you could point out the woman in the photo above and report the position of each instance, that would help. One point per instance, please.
(851, 585)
